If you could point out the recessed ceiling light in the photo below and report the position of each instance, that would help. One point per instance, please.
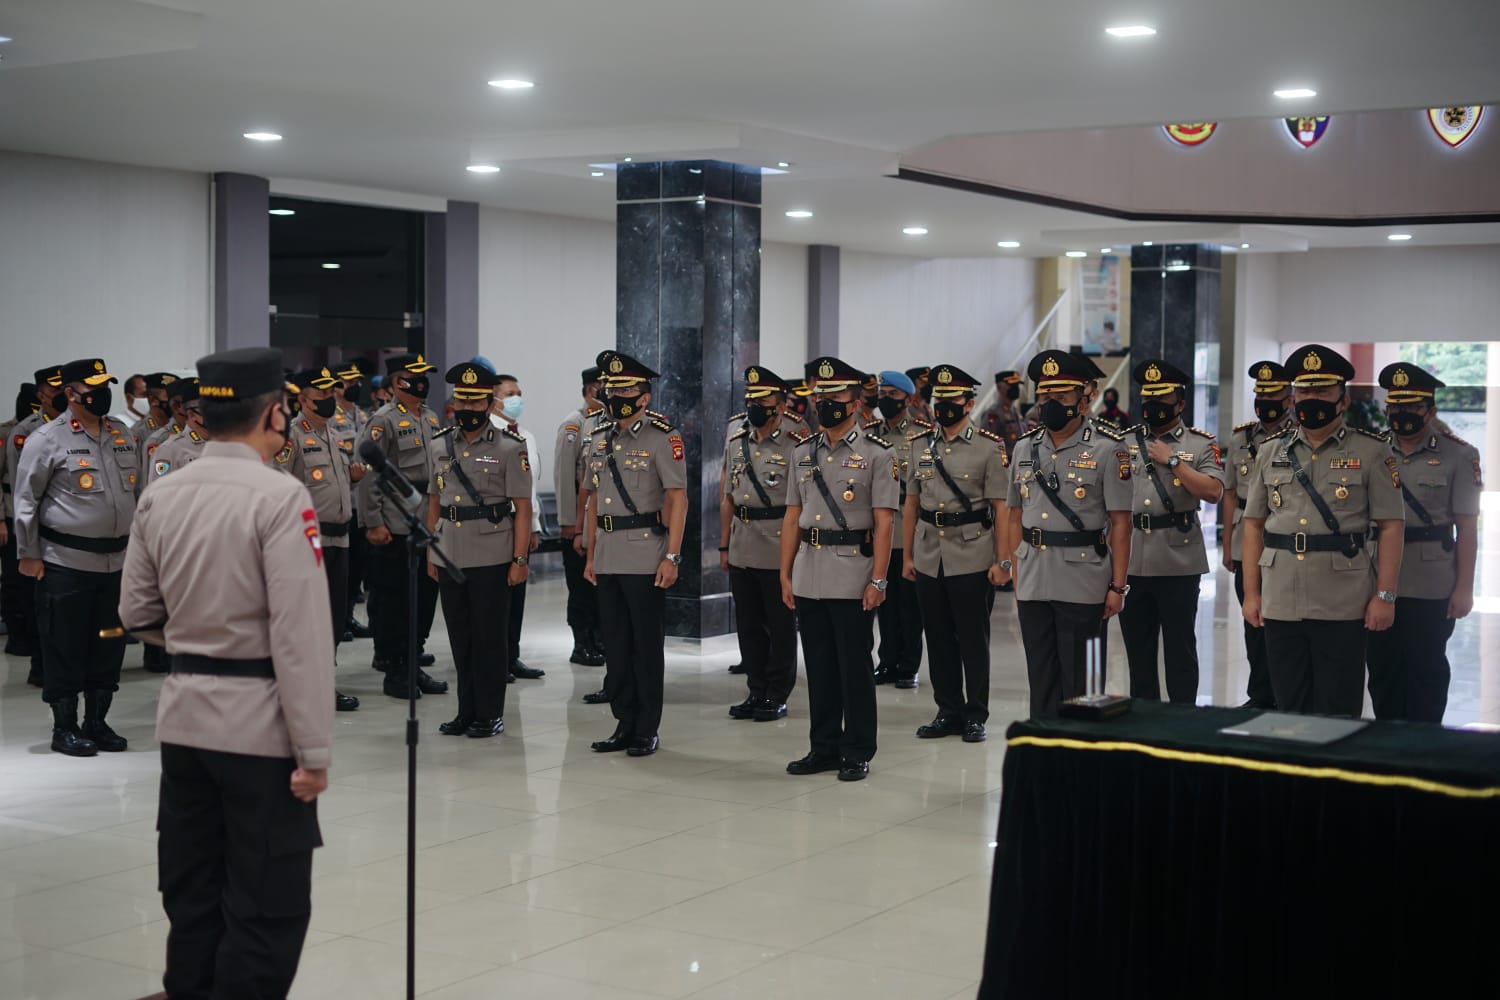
(1106, 249)
(629, 159)
(5, 38)
(799, 213)
(512, 84)
(1294, 92)
(263, 136)
(914, 231)
(783, 164)
(1244, 246)
(1147, 243)
(1008, 244)
(1399, 237)
(282, 211)
(1076, 253)
(482, 168)
(1179, 267)
(330, 266)
(596, 173)
(1130, 31)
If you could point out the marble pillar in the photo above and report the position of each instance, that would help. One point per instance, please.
(450, 331)
(1174, 315)
(242, 261)
(688, 304)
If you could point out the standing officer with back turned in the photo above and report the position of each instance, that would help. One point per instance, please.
(569, 453)
(225, 567)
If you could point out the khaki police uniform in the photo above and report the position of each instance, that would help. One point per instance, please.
(1168, 558)
(898, 657)
(176, 452)
(569, 474)
(953, 548)
(316, 457)
(19, 598)
(346, 424)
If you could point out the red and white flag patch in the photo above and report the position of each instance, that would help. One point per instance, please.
(314, 537)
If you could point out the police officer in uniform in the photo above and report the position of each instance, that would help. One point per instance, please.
(1273, 415)
(224, 567)
(23, 639)
(18, 638)
(637, 489)
(185, 447)
(835, 552)
(1004, 418)
(899, 655)
(177, 393)
(569, 453)
(1309, 577)
(1441, 481)
(403, 429)
(75, 497)
(1174, 469)
(158, 414)
(919, 406)
(798, 404)
(955, 539)
(479, 504)
(1069, 507)
(757, 462)
(348, 421)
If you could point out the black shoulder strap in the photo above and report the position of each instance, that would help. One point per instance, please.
(1302, 477)
(1416, 505)
(614, 472)
(456, 467)
(833, 508)
(937, 463)
(765, 500)
(1050, 490)
(1161, 491)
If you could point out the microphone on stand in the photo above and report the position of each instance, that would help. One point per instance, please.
(387, 473)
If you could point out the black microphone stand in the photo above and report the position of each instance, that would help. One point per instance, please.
(417, 539)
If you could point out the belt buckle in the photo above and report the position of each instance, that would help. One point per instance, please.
(1035, 537)
(814, 537)
(1299, 542)
(937, 519)
(744, 514)
(609, 522)
(453, 513)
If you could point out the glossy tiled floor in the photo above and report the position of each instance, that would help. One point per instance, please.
(547, 871)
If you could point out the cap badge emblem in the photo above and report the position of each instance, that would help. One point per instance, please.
(753, 377)
(470, 376)
(1312, 362)
(1400, 378)
(616, 366)
(1264, 374)
(1153, 374)
(825, 370)
(1050, 367)
(945, 377)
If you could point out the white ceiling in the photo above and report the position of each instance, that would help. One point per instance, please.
(391, 94)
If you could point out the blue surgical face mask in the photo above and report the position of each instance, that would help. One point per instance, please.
(513, 406)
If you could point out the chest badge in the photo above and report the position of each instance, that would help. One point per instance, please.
(1244, 469)
(1342, 493)
(1080, 493)
(86, 481)
(440, 481)
(1276, 497)
(848, 496)
(317, 475)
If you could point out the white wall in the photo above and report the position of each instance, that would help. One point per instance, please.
(101, 260)
(900, 312)
(1256, 336)
(783, 308)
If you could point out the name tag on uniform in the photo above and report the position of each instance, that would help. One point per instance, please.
(1023, 462)
(924, 463)
(1343, 463)
(805, 461)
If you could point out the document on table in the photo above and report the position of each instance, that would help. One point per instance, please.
(1316, 729)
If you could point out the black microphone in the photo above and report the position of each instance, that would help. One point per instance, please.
(388, 473)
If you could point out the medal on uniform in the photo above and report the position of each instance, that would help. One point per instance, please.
(1342, 493)
(848, 496)
(1275, 496)
(1025, 492)
(440, 481)
(1080, 493)
(1244, 470)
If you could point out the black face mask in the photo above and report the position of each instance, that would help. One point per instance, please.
(799, 407)
(926, 393)
(325, 407)
(1270, 410)
(1316, 413)
(97, 402)
(948, 412)
(1158, 414)
(417, 386)
(871, 402)
(470, 420)
(1055, 416)
(832, 413)
(621, 407)
(1406, 423)
(286, 428)
(890, 408)
(759, 415)
(1012, 392)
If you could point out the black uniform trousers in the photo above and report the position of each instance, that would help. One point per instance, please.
(388, 578)
(1055, 635)
(517, 616)
(836, 636)
(1162, 608)
(72, 607)
(767, 633)
(475, 613)
(359, 548)
(1408, 662)
(956, 611)
(632, 620)
(900, 618)
(17, 597)
(1258, 690)
(1318, 666)
(234, 855)
(336, 568)
(583, 599)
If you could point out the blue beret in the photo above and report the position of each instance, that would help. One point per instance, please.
(898, 380)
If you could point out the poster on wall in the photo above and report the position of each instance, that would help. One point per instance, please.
(1100, 282)
(1454, 125)
(1190, 133)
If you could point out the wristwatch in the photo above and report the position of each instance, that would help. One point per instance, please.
(1388, 596)
(1122, 591)
(880, 585)
(521, 560)
(675, 558)
(1005, 565)
(1174, 461)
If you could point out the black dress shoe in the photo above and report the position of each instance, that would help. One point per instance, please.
(974, 732)
(906, 683)
(596, 698)
(521, 670)
(481, 729)
(643, 746)
(854, 770)
(347, 637)
(394, 686)
(745, 709)
(34, 678)
(354, 628)
(382, 665)
(425, 659)
(344, 702)
(456, 726)
(738, 668)
(619, 741)
(431, 685)
(510, 678)
(586, 657)
(883, 675)
(943, 725)
(769, 711)
(813, 764)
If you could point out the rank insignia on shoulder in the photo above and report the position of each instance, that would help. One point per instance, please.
(662, 424)
(877, 439)
(443, 432)
(1245, 426)
(514, 434)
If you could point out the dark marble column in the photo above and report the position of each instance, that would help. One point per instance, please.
(688, 304)
(242, 261)
(1174, 315)
(451, 320)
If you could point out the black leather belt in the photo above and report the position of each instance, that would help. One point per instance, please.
(821, 536)
(492, 512)
(189, 663)
(1432, 533)
(1037, 538)
(748, 514)
(624, 522)
(1348, 544)
(334, 530)
(103, 546)
(1183, 521)
(943, 519)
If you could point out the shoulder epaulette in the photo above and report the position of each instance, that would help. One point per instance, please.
(661, 423)
(926, 425)
(1382, 438)
(912, 436)
(1200, 430)
(1282, 433)
(1455, 438)
(794, 417)
(1245, 426)
(801, 436)
(991, 435)
(653, 413)
(871, 423)
(737, 417)
(742, 432)
(1109, 431)
(877, 439)
(445, 430)
(514, 434)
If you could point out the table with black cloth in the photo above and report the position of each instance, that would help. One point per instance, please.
(1151, 856)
